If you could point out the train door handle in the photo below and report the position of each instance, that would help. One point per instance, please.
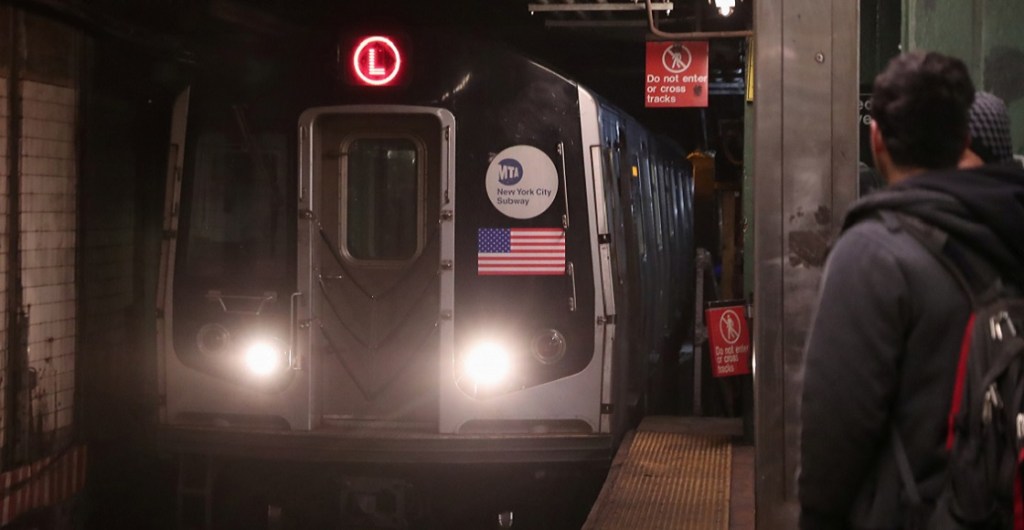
(565, 186)
(570, 270)
(293, 358)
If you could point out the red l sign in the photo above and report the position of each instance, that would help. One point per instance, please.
(376, 61)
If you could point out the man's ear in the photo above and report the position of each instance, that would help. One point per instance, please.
(880, 153)
(968, 158)
(877, 143)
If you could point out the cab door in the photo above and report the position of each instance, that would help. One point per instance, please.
(374, 180)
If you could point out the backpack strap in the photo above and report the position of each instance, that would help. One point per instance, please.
(903, 463)
(975, 275)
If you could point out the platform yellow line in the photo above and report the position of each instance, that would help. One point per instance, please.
(665, 480)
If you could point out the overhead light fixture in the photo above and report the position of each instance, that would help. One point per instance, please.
(725, 7)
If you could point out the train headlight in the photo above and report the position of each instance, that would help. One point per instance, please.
(487, 364)
(213, 339)
(548, 347)
(265, 357)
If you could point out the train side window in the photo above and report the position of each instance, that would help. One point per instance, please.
(380, 198)
(237, 224)
(657, 196)
(671, 198)
(638, 210)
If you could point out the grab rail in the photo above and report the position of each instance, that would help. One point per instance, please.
(229, 299)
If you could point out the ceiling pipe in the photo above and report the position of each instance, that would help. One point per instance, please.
(596, 6)
(691, 35)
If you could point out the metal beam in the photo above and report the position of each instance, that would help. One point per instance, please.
(539, 8)
(595, 24)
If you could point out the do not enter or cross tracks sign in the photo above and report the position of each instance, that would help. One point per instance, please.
(677, 74)
(729, 339)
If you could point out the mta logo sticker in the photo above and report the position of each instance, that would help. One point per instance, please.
(510, 172)
(522, 182)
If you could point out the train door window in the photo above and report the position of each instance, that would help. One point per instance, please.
(380, 195)
(237, 221)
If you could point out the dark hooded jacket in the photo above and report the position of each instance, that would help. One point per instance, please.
(884, 343)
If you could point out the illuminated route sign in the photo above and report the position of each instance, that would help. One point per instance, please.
(677, 74)
(376, 61)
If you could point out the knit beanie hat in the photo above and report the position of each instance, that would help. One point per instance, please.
(989, 123)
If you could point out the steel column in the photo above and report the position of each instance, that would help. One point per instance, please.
(805, 164)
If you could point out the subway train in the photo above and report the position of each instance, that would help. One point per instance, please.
(405, 257)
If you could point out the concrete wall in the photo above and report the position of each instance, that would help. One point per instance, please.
(44, 101)
(49, 176)
(91, 150)
(108, 268)
(4, 164)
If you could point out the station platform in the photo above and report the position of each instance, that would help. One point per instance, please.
(680, 474)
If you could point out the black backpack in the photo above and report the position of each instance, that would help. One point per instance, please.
(982, 489)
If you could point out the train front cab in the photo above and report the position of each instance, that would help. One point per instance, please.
(370, 372)
(361, 359)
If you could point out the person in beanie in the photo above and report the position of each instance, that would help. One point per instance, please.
(882, 351)
(989, 126)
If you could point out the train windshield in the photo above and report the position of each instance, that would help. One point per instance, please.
(380, 193)
(236, 226)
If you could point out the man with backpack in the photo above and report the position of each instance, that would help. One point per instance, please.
(884, 355)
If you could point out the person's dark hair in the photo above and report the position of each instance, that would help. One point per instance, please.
(920, 103)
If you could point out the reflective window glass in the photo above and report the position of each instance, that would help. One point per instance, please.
(380, 199)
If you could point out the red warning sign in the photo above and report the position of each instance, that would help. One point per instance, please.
(729, 340)
(677, 74)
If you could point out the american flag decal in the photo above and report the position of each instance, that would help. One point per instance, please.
(520, 251)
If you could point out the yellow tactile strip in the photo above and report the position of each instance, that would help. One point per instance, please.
(667, 481)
